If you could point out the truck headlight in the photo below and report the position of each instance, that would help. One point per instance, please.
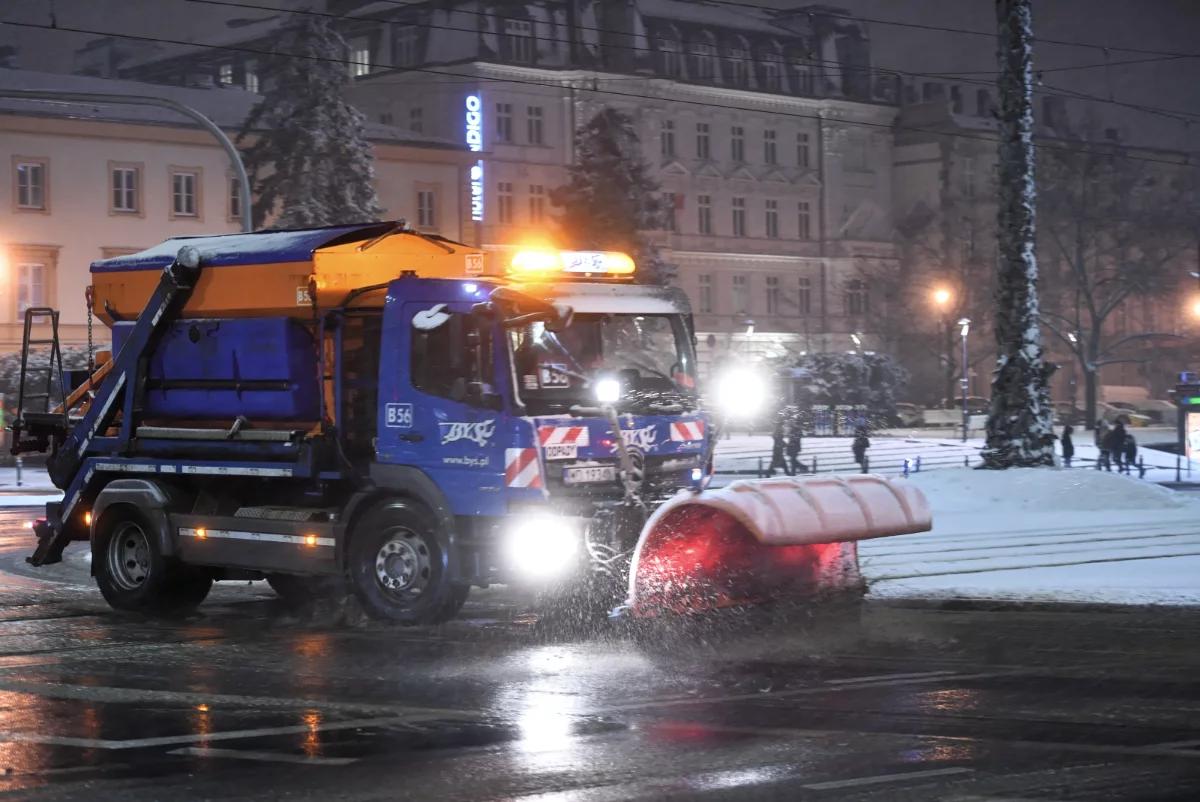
(741, 392)
(542, 546)
(608, 391)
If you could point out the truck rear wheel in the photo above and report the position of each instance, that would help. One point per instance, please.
(134, 575)
(398, 567)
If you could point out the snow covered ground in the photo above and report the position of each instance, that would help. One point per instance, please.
(1044, 535)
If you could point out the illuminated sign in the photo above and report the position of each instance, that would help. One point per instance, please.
(474, 122)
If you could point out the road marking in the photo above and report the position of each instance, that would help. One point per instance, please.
(889, 677)
(1179, 744)
(191, 738)
(881, 779)
(266, 757)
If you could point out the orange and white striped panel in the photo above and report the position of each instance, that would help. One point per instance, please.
(521, 468)
(687, 431)
(562, 435)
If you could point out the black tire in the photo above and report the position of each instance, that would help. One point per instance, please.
(133, 574)
(398, 566)
(297, 591)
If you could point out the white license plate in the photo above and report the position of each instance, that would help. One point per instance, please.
(583, 476)
(562, 452)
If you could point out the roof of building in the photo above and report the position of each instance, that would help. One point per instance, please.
(712, 14)
(226, 106)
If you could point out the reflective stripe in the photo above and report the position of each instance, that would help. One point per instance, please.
(563, 435)
(261, 537)
(686, 431)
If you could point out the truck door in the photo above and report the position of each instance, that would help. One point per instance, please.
(443, 414)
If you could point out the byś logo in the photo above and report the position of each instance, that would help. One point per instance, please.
(478, 432)
(643, 439)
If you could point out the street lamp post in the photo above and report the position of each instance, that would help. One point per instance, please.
(942, 298)
(965, 323)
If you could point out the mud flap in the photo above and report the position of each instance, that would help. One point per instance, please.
(759, 541)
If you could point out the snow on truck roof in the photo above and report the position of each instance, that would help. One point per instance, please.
(260, 247)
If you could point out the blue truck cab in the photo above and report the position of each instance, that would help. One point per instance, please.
(414, 438)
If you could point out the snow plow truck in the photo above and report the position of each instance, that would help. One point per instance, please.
(383, 412)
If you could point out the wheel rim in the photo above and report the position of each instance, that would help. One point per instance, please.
(129, 556)
(404, 565)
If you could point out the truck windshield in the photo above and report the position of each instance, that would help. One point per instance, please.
(650, 354)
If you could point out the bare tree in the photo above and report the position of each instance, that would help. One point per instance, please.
(1112, 228)
(1019, 426)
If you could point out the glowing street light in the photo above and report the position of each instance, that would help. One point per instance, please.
(942, 297)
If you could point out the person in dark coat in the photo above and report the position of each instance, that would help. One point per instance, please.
(859, 447)
(1114, 443)
(777, 447)
(795, 440)
(1131, 452)
(1101, 439)
(1068, 446)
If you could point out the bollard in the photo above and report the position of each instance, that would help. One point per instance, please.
(966, 461)
(18, 470)
(1141, 468)
(814, 470)
(760, 473)
(1178, 478)
(918, 468)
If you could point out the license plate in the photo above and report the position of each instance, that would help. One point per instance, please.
(583, 476)
(562, 451)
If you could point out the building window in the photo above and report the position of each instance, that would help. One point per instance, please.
(772, 295)
(31, 286)
(533, 125)
(518, 40)
(704, 59)
(741, 295)
(407, 44)
(704, 214)
(185, 186)
(770, 155)
(706, 294)
(416, 120)
(670, 202)
(737, 144)
(537, 203)
(803, 150)
(770, 70)
(225, 75)
(126, 189)
(504, 201)
(668, 57)
(983, 103)
(235, 198)
(857, 301)
(956, 100)
(802, 79)
(803, 220)
(666, 139)
(426, 208)
(250, 77)
(804, 296)
(360, 58)
(702, 141)
(504, 116)
(30, 190)
(772, 218)
(739, 65)
(386, 118)
(739, 217)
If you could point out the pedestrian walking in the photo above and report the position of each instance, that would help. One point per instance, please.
(1068, 446)
(859, 447)
(795, 441)
(1101, 440)
(1114, 442)
(777, 448)
(1131, 452)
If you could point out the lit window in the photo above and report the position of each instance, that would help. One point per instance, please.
(706, 294)
(704, 214)
(504, 201)
(504, 115)
(772, 295)
(803, 220)
(702, 141)
(770, 155)
(518, 40)
(537, 203)
(857, 301)
(360, 59)
(31, 286)
(666, 139)
(31, 184)
(183, 194)
(739, 217)
(126, 189)
(225, 75)
(741, 295)
(250, 77)
(426, 208)
(533, 125)
(772, 218)
(737, 144)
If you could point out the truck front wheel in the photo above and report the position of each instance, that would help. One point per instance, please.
(134, 575)
(397, 566)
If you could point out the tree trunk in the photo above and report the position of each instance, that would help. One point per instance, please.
(1020, 421)
(1091, 395)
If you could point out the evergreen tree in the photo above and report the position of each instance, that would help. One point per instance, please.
(1019, 432)
(310, 163)
(610, 200)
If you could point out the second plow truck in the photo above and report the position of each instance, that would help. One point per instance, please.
(369, 409)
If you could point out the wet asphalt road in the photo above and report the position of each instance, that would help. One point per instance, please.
(249, 701)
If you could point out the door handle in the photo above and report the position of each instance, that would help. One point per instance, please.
(412, 438)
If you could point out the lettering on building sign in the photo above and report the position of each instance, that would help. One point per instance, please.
(478, 432)
(475, 143)
(643, 439)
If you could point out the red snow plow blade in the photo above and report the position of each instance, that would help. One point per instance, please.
(767, 540)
